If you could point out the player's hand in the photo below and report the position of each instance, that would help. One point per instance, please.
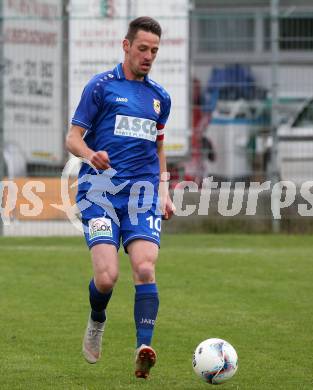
(100, 160)
(169, 208)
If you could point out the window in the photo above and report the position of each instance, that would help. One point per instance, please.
(225, 33)
(296, 33)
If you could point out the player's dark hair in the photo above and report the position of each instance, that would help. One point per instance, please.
(144, 23)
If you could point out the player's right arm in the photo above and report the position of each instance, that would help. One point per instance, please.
(90, 104)
(76, 145)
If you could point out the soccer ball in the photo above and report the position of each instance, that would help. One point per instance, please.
(215, 361)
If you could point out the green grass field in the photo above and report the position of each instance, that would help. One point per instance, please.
(254, 291)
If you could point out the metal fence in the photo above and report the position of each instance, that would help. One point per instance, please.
(241, 80)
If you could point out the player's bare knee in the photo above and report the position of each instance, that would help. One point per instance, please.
(145, 272)
(105, 282)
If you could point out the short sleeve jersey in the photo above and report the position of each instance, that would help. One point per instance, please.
(125, 118)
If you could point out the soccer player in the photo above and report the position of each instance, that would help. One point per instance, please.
(118, 127)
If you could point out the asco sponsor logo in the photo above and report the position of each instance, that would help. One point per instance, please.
(130, 126)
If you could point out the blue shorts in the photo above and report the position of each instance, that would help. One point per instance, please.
(123, 217)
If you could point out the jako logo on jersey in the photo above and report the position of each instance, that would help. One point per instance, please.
(100, 227)
(130, 126)
(121, 99)
(157, 106)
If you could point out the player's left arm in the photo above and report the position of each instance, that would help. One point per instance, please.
(167, 205)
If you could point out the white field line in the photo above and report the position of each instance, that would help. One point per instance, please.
(46, 248)
(255, 250)
(61, 248)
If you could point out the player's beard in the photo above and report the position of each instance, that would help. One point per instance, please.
(141, 72)
(147, 67)
(136, 68)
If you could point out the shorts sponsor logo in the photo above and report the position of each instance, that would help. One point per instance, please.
(157, 106)
(100, 227)
(130, 126)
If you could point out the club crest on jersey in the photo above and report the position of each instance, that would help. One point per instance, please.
(157, 106)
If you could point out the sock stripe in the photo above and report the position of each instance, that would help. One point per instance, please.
(146, 288)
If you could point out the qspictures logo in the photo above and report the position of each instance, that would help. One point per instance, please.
(32, 201)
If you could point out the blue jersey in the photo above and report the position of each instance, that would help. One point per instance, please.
(126, 119)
